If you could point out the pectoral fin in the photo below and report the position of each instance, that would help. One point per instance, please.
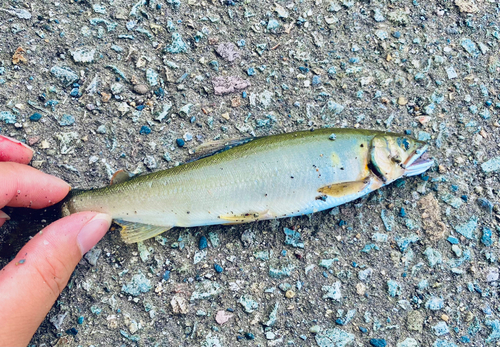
(339, 190)
(247, 217)
(120, 176)
(137, 232)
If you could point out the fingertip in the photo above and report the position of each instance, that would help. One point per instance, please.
(93, 231)
(25, 186)
(14, 150)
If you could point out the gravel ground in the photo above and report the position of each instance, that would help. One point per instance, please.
(96, 87)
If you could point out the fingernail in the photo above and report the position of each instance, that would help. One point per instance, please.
(4, 215)
(93, 231)
(10, 139)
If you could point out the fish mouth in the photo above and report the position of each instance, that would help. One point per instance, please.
(418, 162)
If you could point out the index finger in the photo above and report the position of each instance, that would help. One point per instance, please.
(24, 186)
(14, 150)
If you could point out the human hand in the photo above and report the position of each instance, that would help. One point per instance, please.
(31, 283)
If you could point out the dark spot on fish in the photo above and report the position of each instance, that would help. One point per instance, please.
(265, 194)
(321, 197)
(291, 176)
(188, 212)
(362, 145)
(341, 168)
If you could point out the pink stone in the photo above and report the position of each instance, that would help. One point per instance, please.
(228, 51)
(228, 85)
(222, 317)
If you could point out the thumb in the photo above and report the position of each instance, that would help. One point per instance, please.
(31, 283)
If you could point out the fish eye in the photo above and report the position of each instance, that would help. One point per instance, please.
(403, 143)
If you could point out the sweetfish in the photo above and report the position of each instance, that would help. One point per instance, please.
(277, 176)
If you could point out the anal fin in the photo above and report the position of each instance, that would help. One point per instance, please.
(339, 190)
(247, 217)
(136, 232)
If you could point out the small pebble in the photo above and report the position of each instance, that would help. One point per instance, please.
(141, 89)
(315, 329)
(290, 294)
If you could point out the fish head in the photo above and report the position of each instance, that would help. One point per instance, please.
(393, 156)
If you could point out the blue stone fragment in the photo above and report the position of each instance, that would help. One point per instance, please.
(316, 80)
(405, 242)
(434, 257)
(334, 337)
(75, 92)
(453, 240)
(486, 238)
(292, 238)
(160, 92)
(249, 336)
(80, 320)
(367, 248)
(180, 142)
(218, 268)
(72, 331)
(273, 24)
(166, 275)
(250, 71)
(203, 243)
(495, 330)
(139, 284)
(145, 130)
(394, 288)
(434, 304)
(443, 343)
(467, 229)
(178, 45)
(470, 47)
(441, 329)
(332, 71)
(378, 342)
(140, 107)
(35, 117)
(67, 120)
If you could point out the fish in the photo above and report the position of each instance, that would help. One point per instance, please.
(278, 176)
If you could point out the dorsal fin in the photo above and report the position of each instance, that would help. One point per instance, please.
(210, 148)
(120, 176)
